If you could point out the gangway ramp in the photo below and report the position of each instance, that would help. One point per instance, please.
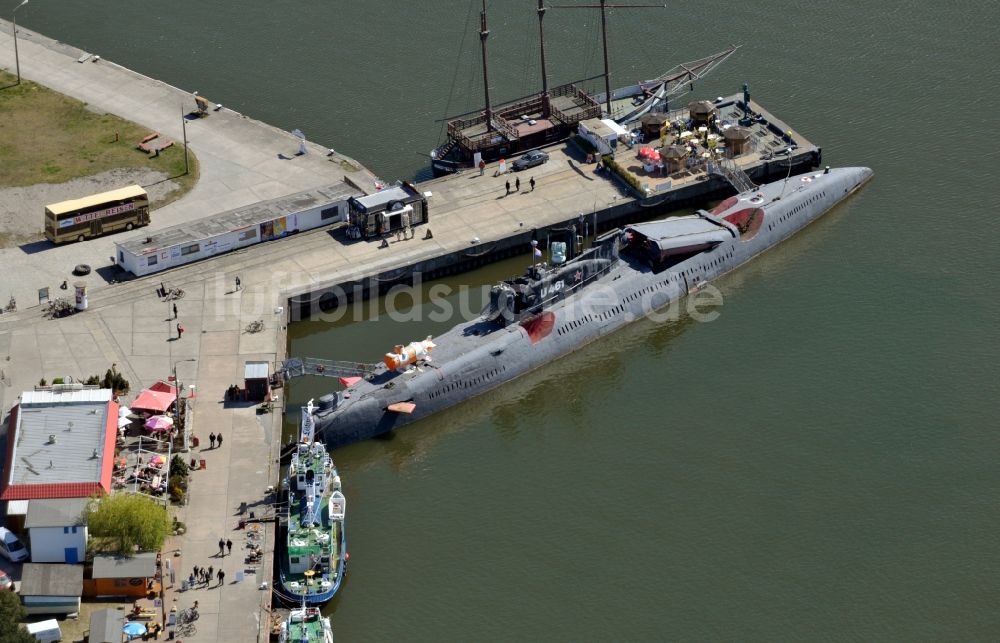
(299, 366)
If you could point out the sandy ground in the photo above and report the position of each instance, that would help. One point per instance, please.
(22, 209)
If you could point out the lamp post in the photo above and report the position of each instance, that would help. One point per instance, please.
(184, 129)
(13, 19)
(177, 403)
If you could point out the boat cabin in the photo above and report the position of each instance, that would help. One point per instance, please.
(390, 209)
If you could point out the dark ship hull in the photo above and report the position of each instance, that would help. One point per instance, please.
(552, 311)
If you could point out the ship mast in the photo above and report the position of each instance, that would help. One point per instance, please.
(484, 33)
(604, 6)
(541, 42)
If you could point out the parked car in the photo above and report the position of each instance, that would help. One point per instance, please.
(531, 159)
(6, 582)
(11, 546)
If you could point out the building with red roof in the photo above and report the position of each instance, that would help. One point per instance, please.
(61, 444)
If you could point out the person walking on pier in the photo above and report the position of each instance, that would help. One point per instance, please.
(222, 577)
(218, 440)
(208, 575)
(482, 167)
(517, 184)
(508, 188)
(180, 330)
(532, 184)
(229, 546)
(175, 311)
(211, 440)
(222, 547)
(239, 284)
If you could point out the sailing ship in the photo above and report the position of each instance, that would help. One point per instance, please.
(306, 625)
(552, 115)
(313, 564)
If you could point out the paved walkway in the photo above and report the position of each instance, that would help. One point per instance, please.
(137, 336)
(242, 160)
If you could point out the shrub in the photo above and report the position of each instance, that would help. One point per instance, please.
(42, 382)
(58, 380)
(629, 178)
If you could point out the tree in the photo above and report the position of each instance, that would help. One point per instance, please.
(122, 522)
(11, 613)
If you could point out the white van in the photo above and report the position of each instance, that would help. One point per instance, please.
(11, 547)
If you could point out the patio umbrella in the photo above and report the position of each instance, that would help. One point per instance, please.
(159, 423)
(157, 459)
(123, 422)
(123, 411)
(133, 629)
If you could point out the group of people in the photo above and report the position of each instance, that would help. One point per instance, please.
(405, 230)
(203, 576)
(517, 185)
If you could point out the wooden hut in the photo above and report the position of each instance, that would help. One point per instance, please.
(737, 141)
(652, 125)
(702, 112)
(674, 157)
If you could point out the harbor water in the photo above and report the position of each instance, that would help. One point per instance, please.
(818, 462)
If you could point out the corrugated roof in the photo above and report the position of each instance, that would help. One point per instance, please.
(62, 445)
(58, 512)
(383, 196)
(57, 397)
(255, 370)
(106, 626)
(247, 216)
(139, 566)
(50, 579)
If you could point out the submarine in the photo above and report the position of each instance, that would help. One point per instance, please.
(561, 305)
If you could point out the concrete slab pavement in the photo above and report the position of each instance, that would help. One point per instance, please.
(242, 160)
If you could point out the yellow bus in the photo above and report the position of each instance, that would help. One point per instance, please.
(92, 216)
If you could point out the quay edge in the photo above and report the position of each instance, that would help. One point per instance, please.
(327, 297)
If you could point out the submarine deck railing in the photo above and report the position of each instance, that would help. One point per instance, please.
(299, 366)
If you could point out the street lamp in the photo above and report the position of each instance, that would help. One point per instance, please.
(177, 403)
(13, 19)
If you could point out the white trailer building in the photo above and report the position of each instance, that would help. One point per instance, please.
(155, 250)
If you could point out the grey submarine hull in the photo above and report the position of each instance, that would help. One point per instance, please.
(660, 262)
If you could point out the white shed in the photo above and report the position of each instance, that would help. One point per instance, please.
(601, 134)
(45, 630)
(57, 530)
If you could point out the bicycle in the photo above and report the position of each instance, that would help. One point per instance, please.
(187, 616)
(185, 630)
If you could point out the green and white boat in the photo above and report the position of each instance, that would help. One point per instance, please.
(313, 566)
(306, 625)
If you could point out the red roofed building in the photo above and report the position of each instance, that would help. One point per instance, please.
(61, 444)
